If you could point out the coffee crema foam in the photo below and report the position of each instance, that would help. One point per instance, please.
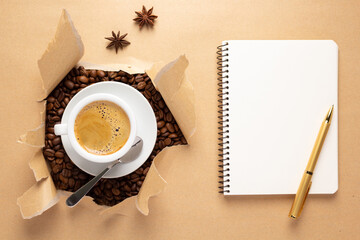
(102, 128)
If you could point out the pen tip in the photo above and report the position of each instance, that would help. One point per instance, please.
(329, 114)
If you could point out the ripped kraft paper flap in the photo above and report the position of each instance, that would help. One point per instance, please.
(62, 54)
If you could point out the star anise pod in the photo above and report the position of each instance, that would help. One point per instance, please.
(145, 17)
(117, 41)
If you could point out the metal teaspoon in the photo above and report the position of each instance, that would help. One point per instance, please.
(81, 192)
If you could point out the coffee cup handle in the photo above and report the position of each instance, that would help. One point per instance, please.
(61, 129)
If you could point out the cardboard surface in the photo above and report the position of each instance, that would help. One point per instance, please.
(190, 207)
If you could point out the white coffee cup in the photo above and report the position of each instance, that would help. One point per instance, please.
(67, 128)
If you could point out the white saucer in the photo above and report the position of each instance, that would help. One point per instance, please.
(146, 128)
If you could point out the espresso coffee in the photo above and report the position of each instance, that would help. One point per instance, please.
(102, 128)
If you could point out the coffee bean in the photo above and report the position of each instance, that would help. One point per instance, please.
(83, 79)
(66, 172)
(147, 94)
(135, 179)
(108, 193)
(163, 130)
(139, 78)
(93, 73)
(59, 154)
(48, 143)
(69, 166)
(167, 141)
(139, 171)
(97, 191)
(51, 99)
(115, 191)
(161, 104)
(56, 141)
(75, 171)
(56, 104)
(57, 147)
(71, 182)
(60, 111)
(161, 144)
(63, 186)
(66, 100)
(82, 176)
(173, 135)
(56, 93)
(49, 106)
(61, 97)
(157, 96)
(127, 188)
(141, 85)
(160, 124)
(161, 114)
(124, 79)
(63, 179)
(82, 71)
(108, 185)
(146, 170)
(57, 168)
(134, 175)
(77, 185)
(50, 136)
(169, 117)
(69, 84)
(131, 80)
(170, 127)
(59, 160)
(164, 135)
(55, 118)
(100, 73)
(112, 74)
(49, 152)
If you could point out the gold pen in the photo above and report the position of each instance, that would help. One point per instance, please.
(305, 183)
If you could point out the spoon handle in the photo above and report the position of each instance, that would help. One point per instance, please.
(79, 194)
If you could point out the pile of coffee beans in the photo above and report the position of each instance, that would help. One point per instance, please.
(66, 175)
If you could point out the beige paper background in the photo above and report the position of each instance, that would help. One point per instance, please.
(190, 207)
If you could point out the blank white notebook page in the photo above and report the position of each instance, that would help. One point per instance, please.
(279, 94)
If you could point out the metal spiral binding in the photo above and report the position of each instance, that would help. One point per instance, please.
(223, 117)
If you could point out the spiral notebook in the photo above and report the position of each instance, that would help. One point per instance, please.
(273, 96)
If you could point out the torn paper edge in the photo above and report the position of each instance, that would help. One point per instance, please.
(61, 55)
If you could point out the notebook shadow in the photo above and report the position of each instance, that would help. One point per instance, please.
(284, 201)
(252, 198)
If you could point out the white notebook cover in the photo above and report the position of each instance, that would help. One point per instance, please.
(279, 94)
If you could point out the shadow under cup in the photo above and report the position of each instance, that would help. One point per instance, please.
(68, 128)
